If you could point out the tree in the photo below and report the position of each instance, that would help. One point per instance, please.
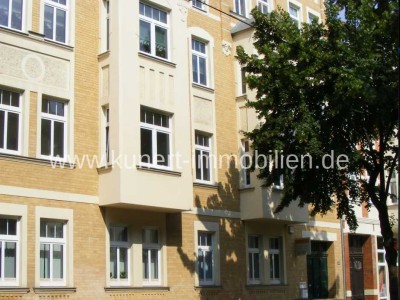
(330, 87)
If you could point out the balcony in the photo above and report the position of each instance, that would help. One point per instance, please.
(259, 203)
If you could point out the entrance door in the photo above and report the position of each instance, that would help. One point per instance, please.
(317, 275)
(357, 276)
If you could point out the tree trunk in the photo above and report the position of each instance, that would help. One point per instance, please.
(391, 253)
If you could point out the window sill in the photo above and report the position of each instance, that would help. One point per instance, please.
(13, 31)
(59, 44)
(195, 8)
(14, 290)
(103, 55)
(208, 290)
(36, 34)
(265, 286)
(202, 87)
(206, 185)
(156, 170)
(104, 169)
(154, 58)
(118, 289)
(54, 290)
(247, 189)
(235, 14)
(36, 161)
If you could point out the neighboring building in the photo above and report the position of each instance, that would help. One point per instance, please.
(130, 83)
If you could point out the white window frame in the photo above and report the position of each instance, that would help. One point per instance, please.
(57, 6)
(202, 6)
(253, 252)
(153, 23)
(154, 129)
(263, 5)
(16, 110)
(203, 150)
(271, 253)
(296, 5)
(246, 174)
(106, 112)
(206, 249)
(55, 118)
(240, 5)
(10, 16)
(14, 239)
(382, 264)
(311, 12)
(119, 245)
(149, 247)
(199, 55)
(55, 241)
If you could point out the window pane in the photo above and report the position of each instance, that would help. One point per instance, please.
(113, 262)
(256, 266)
(58, 139)
(48, 21)
(58, 261)
(12, 227)
(3, 227)
(161, 42)
(200, 265)
(60, 25)
(16, 17)
(60, 109)
(10, 260)
(154, 263)
(145, 37)
(52, 107)
(382, 282)
(1, 261)
(59, 230)
(150, 236)
(44, 261)
(162, 149)
(4, 5)
(195, 69)
(202, 70)
(145, 259)
(2, 117)
(251, 266)
(6, 98)
(123, 263)
(381, 257)
(208, 265)
(12, 131)
(43, 229)
(206, 165)
(15, 99)
(146, 145)
(45, 139)
(198, 164)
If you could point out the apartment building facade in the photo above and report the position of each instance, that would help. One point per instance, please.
(111, 113)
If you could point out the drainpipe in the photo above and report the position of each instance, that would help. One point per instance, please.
(343, 259)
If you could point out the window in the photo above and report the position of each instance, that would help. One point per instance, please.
(205, 258)
(107, 134)
(294, 12)
(199, 62)
(53, 129)
(107, 17)
(11, 13)
(246, 162)
(311, 17)
(382, 273)
(240, 7)
(254, 258)
(155, 135)
(153, 31)
(9, 248)
(198, 4)
(55, 20)
(263, 6)
(393, 189)
(243, 81)
(52, 252)
(151, 257)
(274, 260)
(10, 121)
(119, 254)
(202, 156)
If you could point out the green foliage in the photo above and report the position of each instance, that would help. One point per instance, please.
(330, 86)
